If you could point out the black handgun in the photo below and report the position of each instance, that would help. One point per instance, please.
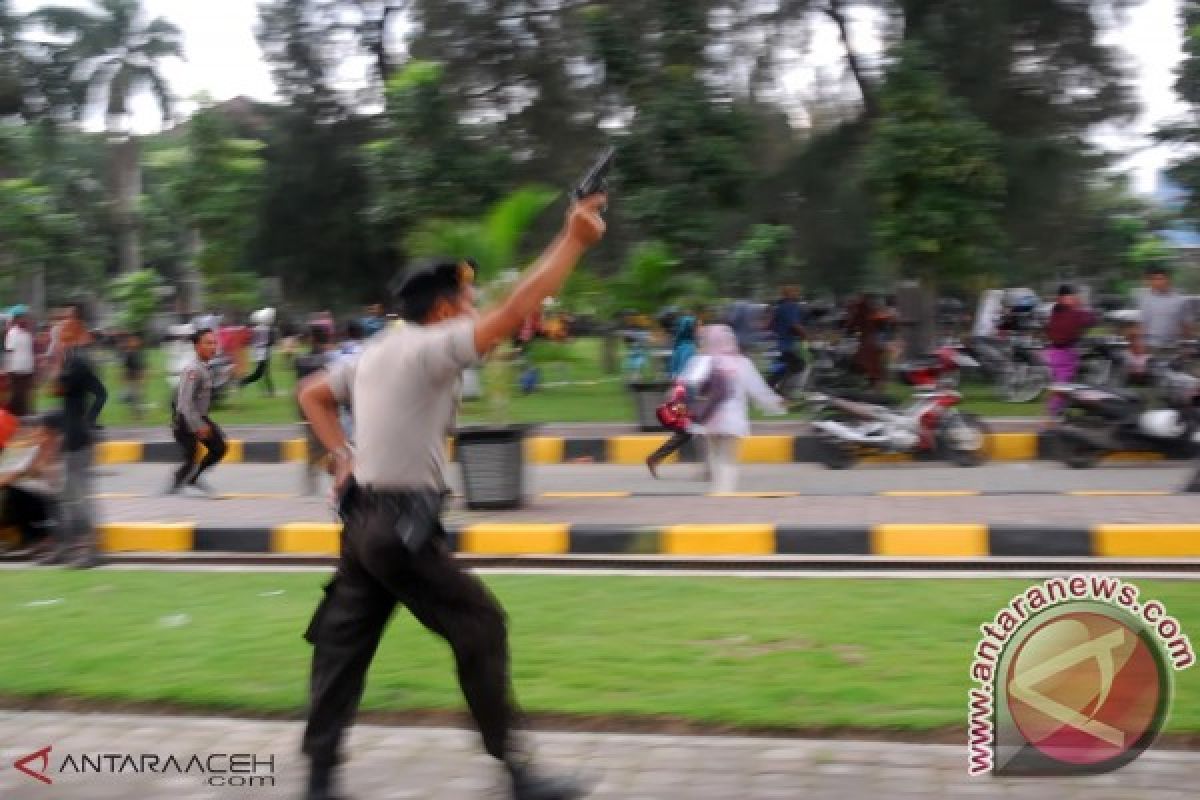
(595, 180)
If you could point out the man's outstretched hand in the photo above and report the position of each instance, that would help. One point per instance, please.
(584, 225)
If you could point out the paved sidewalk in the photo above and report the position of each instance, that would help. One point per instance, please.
(442, 764)
(264, 496)
(1045, 511)
(582, 430)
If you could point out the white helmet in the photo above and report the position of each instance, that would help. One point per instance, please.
(264, 316)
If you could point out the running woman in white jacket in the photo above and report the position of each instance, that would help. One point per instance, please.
(739, 382)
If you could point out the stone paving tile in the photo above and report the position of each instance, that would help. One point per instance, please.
(446, 764)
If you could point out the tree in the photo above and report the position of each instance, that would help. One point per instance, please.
(938, 187)
(136, 295)
(115, 52)
(426, 162)
(643, 283)
(40, 252)
(1186, 131)
(494, 241)
(758, 260)
(14, 64)
(305, 40)
(214, 183)
(313, 220)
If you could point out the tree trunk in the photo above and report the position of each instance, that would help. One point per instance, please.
(837, 14)
(37, 295)
(193, 281)
(126, 190)
(917, 307)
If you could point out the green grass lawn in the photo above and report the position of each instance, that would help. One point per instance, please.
(791, 654)
(579, 392)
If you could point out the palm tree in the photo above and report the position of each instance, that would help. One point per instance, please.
(13, 64)
(116, 54)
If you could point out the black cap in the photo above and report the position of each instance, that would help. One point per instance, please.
(1065, 290)
(416, 292)
(433, 276)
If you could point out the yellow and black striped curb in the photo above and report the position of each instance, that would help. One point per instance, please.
(611, 450)
(892, 540)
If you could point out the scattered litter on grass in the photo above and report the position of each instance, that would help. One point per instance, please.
(36, 603)
(174, 620)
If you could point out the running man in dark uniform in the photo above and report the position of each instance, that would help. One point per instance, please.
(404, 391)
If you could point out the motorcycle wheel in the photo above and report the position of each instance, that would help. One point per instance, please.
(835, 455)
(1025, 383)
(1077, 453)
(962, 439)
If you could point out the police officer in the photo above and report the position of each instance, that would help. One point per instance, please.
(404, 392)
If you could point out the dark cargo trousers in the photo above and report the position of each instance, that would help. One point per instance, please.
(376, 572)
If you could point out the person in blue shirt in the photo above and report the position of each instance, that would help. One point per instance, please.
(787, 325)
(684, 346)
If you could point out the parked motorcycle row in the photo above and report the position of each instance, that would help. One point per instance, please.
(1110, 408)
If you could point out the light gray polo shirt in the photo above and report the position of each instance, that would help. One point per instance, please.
(1163, 317)
(404, 388)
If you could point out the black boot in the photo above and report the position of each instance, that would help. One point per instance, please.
(320, 784)
(527, 784)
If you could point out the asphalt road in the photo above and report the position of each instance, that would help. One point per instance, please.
(259, 495)
(687, 479)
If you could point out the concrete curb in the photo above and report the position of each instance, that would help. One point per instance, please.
(966, 540)
(628, 450)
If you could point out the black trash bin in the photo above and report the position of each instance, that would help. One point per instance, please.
(648, 396)
(493, 465)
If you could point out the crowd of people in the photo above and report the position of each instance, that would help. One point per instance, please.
(714, 364)
(47, 445)
(47, 460)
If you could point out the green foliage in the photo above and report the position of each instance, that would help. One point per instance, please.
(937, 184)
(136, 296)
(38, 234)
(642, 282)
(758, 260)
(237, 291)
(686, 165)
(1150, 251)
(427, 164)
(493, 241)
(214, 183)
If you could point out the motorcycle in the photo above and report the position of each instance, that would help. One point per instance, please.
(1098, 420)
(942, 367)
(1104, 361)
(931, 423)
(827, 366)
(1014, 364)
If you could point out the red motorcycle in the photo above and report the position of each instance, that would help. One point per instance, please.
(931, 423)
